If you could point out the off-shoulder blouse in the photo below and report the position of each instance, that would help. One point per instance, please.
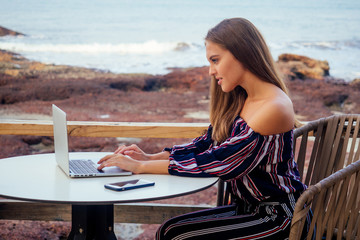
(259, 168)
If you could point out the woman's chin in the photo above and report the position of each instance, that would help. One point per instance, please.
(225, 89)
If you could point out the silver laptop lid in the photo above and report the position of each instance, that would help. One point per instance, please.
(61, 138)
(62, 149)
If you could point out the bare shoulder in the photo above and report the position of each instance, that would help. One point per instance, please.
(274, 116)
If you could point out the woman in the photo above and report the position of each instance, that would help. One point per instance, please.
(248, 144)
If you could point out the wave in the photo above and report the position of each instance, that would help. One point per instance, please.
(148, 47)
(327, 45)
(317, 45)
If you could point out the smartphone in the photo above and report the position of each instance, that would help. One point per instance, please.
(127, 185)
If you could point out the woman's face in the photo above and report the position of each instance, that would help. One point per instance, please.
(226, 69)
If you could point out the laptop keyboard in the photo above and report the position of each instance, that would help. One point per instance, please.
(83, 167)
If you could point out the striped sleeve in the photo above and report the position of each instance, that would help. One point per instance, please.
(196, 146)
(234, 158)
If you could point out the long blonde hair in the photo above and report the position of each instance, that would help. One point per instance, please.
(246, 43)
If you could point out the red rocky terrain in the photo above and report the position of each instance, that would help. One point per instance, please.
(28, 88)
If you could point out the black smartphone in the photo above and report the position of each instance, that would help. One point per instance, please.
(127, 185)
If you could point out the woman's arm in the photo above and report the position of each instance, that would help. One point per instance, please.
(159, 156)
(132, 158)
(236, 156)
(154, 166)
(135, 152)
(136, 166)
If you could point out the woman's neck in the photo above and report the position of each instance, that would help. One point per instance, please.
(258, 89)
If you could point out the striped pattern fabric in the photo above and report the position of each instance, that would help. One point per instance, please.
(259, 168)
(265, 222)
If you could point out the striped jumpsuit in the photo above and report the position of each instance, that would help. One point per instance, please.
(261, 171)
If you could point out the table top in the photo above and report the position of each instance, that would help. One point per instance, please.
(38, 178)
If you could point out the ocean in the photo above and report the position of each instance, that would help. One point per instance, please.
(142, 36)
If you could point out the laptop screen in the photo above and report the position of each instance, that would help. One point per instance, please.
(61, 138)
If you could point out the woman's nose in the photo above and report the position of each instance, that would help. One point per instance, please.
(211, 71)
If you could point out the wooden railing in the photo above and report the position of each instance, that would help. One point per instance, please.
(130, 213)
(105, 129)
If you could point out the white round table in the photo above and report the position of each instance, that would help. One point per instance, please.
(38, 178)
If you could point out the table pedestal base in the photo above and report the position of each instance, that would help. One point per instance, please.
(92, 222)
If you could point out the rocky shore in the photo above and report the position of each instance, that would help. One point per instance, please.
(28, 88)
(8, 32)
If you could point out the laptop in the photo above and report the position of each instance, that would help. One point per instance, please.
(75, 167)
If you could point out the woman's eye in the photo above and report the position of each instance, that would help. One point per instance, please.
(214, 60)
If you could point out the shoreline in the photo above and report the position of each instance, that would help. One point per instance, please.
(16, 69)
(298, 71)
(28, 88)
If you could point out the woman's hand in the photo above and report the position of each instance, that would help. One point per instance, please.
(132, 158)
(122, 161)
(133, 151)
(136, 166)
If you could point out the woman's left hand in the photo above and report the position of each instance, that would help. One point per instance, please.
(122, 161)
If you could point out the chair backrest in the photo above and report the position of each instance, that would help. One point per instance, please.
(335, 202)
(326, 145)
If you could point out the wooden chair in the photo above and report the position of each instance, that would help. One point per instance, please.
(335, 201)
(333, 143)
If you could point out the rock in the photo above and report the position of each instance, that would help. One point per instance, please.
(182, 46)
(6, 32)
(335, 99)
(32, 140)
(301, 67)
(154, 84)
(188, 79)
(13, 146)
(147, 84)
(354, 83)
(314, 99)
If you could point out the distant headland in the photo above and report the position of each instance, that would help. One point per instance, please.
(5, 32)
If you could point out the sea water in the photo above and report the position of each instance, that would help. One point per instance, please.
(143, 36)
